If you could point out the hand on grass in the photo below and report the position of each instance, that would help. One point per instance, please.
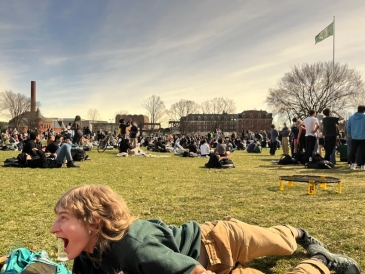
(201, 270)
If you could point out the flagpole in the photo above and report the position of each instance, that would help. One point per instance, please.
(333, 60)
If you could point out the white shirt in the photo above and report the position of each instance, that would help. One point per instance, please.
(310, 123)
(204, 149)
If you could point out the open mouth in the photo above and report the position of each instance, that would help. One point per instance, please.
(65, 242)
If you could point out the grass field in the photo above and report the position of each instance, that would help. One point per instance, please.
(177, 189)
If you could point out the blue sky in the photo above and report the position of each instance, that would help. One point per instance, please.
(113, 55)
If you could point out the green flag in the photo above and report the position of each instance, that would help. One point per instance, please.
(328, 31)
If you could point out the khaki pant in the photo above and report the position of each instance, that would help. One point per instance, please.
(231, 244)
(285, 144)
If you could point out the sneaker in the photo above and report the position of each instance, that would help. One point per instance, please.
(72, 164)
(59, 164)
(307, 240)
(339, 263)
(362, 167)
(352, 167)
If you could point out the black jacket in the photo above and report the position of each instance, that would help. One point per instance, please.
(123, 127)
(29, 145)
(52, 147)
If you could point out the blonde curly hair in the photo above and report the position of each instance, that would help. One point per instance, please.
(89, 203)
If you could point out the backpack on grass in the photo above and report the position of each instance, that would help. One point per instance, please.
(285, 159)
(79, 155)
(226, 163)
(323, 164)
(13, 162)
(22, 260)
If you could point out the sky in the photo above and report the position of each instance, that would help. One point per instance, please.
(113, 55)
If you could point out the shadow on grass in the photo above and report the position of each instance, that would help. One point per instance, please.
(265, 264)
(270, 159)
(273, 166)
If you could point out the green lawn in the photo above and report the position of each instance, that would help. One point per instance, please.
(178, 189)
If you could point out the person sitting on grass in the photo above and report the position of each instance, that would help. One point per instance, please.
(64, 152)
(31, 143)
(192, 147)
(159, 145)
(254, 147)
(204, 148)
(50, 139)
(221, 149)
(51, 160)
(101, 235)
(55, 144)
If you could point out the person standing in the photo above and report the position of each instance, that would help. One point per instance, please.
(311, 125)
(330, 131)
(273, 139)
(133, 134)
(294, 136)
(77, 128)
(123, 127)
(285, 132)
(355, 127)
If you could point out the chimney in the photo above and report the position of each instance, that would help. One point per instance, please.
(33, 95)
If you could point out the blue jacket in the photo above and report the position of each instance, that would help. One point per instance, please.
(356, 126)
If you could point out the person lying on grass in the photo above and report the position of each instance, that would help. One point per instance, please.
(101, 235)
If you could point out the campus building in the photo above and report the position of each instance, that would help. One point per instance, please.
(253, 120)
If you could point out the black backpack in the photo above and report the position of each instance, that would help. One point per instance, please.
(13, 162)
(79, 155)
(285, 159)
(213, 162)
(300, 157)
(317, 158)
(226, 163)
(323, 164)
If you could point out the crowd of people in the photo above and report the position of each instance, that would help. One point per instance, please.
(303, 138)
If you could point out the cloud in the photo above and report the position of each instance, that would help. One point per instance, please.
(115, 54)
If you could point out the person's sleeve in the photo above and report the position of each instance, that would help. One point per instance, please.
(154, 257)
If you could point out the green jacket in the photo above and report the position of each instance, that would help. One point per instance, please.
(147, 247)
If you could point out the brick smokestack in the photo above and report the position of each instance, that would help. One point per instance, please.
(33, 95)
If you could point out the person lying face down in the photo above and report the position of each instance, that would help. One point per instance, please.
(101, 235)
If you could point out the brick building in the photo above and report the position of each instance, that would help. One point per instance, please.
(253, 120)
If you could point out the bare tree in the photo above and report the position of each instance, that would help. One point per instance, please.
(315, 87)
(182, 109)
(93, 114)
(14, 105)
(155, 108)
(218, 105)
(221, 106)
